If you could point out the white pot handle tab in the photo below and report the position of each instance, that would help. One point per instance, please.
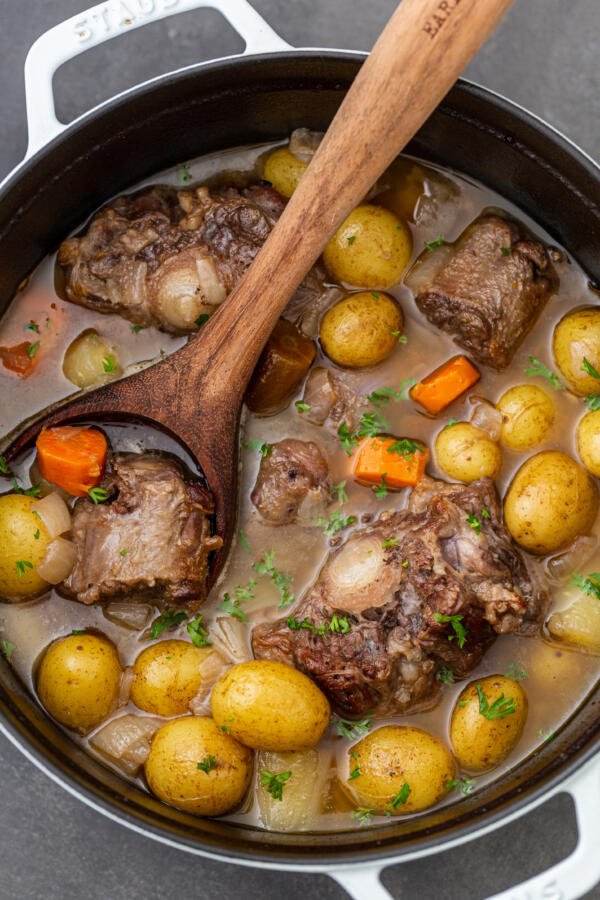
(567, 880)
(107, 20)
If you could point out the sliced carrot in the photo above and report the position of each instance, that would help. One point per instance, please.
(72, 457)
(21, 358)
(401, 460)
(445, 384)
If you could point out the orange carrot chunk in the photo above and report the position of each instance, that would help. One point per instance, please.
(445, 384)
(401, 460)
(21, 358)
(72, 457)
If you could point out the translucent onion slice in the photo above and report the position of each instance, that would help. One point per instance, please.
(126, 741)
(230, 637)
(304, 142)
(559, 568)
(58, 562)
(54, 513)
(303, 792)
(211, 668)
(211, 286)
(487, 417)
(128, 613)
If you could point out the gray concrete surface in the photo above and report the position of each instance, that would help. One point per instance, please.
(544, 56)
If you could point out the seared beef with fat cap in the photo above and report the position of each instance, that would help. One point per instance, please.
(487, 289)
(151, 538)
(389, 580)
(292, 473)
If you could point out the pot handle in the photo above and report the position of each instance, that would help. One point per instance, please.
(107, 20)
(567, 880)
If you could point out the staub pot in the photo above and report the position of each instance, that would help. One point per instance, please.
(262, 96)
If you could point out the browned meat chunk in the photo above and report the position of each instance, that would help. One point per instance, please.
(293, 473)
(163, 258)
(391, 584)
(487, 289)
(152, 538)
(331, 398)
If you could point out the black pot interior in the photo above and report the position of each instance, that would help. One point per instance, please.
(255, 100)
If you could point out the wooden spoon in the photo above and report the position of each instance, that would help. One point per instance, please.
(196, 393)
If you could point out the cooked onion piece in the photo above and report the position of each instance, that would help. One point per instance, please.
(128, 613)
(486, 417)
(54, 513)
(304, 143)
(58, 562)
(126, 741)
(560, 567)
(230, 637)
(302, 795)
(211, 668)
(358, 574)
(90, 360)
(578, 624)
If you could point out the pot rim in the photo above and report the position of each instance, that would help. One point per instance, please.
(512, 805)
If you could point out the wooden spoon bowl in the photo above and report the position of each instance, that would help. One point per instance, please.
(196, 393)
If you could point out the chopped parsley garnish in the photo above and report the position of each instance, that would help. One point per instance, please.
(445, 675)
(592, 400)
(352, 730)
(354, 773)
(464, 785)
(401, 338)
(501, 707)
(547, 734)
(537, 369)
(389, 542)
(32, 326)
(207, 764)
(474, 523)
(77, 631)
(505, 251)
(36, 534)
(22, 565)
(137, 328)
(198, 632)
(516, 671)
(383, 395)
(339, 490)
(337, 624)
(201, 320)
(433, 245)
(241, 595)
(171, 618)
(32, 349)
(335, 523)
(375, 294)
(401, 797)
(183, 174)
(4, 469)
(122, 552)
(380, 490)
(589, 584)
(351, 239)
(244, 541)
(266, 566)
(259, 446)
(109, 363)
(405, 447)
(97, 494)
(450, 423)
(7, 648)
(460, 632)
(347, 438)
(274, 783)
(301, 406)
(485, 513)
(372, 424)
(363, 815)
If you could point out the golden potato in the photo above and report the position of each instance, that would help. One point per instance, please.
(167, 677)
(284, 171)
(588, 441)
(196, 767)
(487, 721)
(402, 770)
(90, 360)
(270, 706)
(370, 249)
(78, 680)
(359, 330)
(467, 453)
(578, 624)
(24, 539)
(550, 501)
(577, 337)
(527, 414)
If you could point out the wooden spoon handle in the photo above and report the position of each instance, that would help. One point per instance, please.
(421, 52)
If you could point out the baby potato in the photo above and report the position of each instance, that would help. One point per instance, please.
(284, 171)
(78, 680)
(359, 330)
(467, 453)
(270, 706)
(487, 721)
(90, 360)
(577, 337)
(588, 441)
(527, 414)
(402, 770)
(370, 249)
(167, 677)
(196, 767)
(550, 501)
(24, 539)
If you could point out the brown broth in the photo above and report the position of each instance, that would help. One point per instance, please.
(558, 679)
